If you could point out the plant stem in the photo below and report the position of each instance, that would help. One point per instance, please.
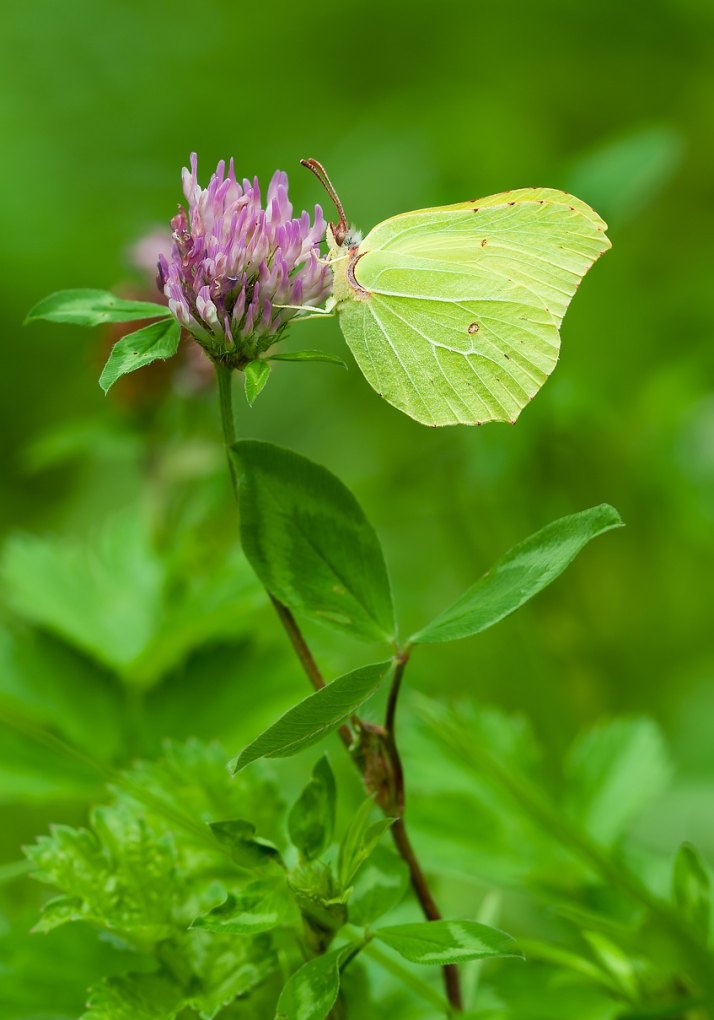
(398, 830)
(307, 660)
(314, 675)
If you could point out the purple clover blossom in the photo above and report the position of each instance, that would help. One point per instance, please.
(233, 263)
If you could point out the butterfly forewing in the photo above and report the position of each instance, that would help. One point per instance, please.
(458, 313)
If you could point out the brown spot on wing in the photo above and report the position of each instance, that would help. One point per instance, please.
(473, 328)
(484, 242)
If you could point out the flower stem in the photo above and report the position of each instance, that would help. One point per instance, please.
(314, 675)
(452, 982)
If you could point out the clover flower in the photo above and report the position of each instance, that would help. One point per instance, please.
(235, 264)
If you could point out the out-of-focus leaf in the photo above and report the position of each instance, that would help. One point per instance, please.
(691, 889)
(156, 342)
(115, 598)
(525, 570)
(260, 906)
(43, 680)
(625, 174)
(93, 308)
(315, 717)
(358, 842)
(311, 821)
(615, 770)
(442, 942)
(618, 963)
(103, 597)
(135, 997)
(310, 543)
(247, 849)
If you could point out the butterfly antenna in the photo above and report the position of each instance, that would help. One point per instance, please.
(340, 231)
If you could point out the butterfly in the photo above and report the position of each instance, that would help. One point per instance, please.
(453, 313)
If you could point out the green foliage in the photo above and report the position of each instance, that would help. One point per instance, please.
(312, 991)
(378, 886)
(442, 942)
(117, 598)
(93, 308)
(260, 906)
(691, 890)
(310, 543)
(615, 770)
(137, 997)
(145, 870)
(315, 716)
(156, 342)
(360, 839)
(311, 821)
(519, 575)
(620, 934)
(256, 374)
(239, 839)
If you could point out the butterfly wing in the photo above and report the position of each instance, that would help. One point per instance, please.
(453, 313)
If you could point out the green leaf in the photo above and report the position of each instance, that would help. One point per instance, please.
(308, 356)
(379, 886)
(358, 842)
(310, 543)
(316, 716)
(135, 997)
(246, 849)
(615, 770)
(257, 908)
(256, 375)
(312, 991)
(691, 890)
(93, 308)
(442, 942)
(525, 570)
(158, 341)
(311, 821)
(118, 874)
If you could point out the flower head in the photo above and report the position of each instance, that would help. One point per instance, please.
(234, 263)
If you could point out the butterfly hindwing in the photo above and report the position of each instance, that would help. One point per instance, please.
(456, 313)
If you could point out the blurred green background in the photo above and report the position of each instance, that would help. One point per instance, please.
(407, 104)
